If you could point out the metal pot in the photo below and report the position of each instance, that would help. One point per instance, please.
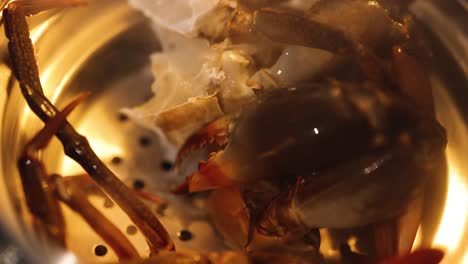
(105, 48)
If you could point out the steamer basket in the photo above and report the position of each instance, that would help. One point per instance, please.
(104, 48)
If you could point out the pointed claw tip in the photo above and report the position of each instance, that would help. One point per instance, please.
(215, 132)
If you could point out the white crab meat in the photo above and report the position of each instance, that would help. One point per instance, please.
(234, 91)
(181, 121)
(187, 72)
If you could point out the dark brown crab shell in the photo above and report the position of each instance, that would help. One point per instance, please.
(363, 154)
(308, 129)
(323, 155)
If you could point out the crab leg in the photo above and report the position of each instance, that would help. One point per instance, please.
(414, 83)
(39, 193)
(297, 30)
(399, 234)
(412, 80)
(69, 193)
(76, 146)
(72, 195)
(86, 182)
(307, 198)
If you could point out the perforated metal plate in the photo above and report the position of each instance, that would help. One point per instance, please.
(107, 54)
(133, 153)
(104, 48)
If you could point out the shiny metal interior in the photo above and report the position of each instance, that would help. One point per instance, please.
(104, 48)
(108, 54)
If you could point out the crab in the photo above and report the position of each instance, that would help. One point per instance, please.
(328, 155)
(289, 141)
(42, 190)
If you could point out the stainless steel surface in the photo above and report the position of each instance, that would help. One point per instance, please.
(108, 54)
(105, 48)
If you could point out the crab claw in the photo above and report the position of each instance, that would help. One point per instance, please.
(211, 174)
(215, 132)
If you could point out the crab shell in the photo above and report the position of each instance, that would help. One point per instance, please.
(355, 145)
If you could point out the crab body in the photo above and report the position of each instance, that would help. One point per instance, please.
(309, 129)
(325, 155)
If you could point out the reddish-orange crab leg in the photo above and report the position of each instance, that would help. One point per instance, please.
(163, 203)
(70, 194)
(73, 196)
(38, 192)
(76, 146)
(43, 137)
(88, 184)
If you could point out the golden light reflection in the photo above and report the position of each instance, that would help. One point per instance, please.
(455, 213)
(67, 258)
(352, 242)
(417, 239)
(39, 30)
(104, 150)
(465, 259)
